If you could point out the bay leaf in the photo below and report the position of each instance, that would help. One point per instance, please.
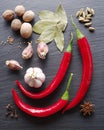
(48, 34)
(42, 25)
(59, 39)
(62, 14)
(48, 15)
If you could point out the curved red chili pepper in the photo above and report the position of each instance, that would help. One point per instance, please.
(46, 111)
(56, 80)
(86, 71)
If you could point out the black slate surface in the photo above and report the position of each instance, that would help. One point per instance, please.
(71, 120)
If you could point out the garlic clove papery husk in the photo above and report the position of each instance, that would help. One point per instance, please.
(34, 77)
(13, 65)
(28, 52)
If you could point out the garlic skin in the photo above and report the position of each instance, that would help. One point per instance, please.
(42, 50)
(13, 65)
(28, 52)
(34, 77)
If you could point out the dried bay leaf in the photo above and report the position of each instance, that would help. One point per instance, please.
(48, 34)
(48, 15)
(42, 25)
(62, 14)
(59, 39)
(51, 26)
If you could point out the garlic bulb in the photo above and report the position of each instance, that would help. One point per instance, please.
(42, 50)
(13, 65)
(34, 77)
(28, 51)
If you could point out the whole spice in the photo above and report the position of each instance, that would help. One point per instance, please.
(57, 78)
(34, 77)
(16, 24)
(8, 15)
(42, 50)
(87, 108)
(19, 10)
(13, 65)
(28, 16)
(28, 52)
(86, 17)
(87, 68)
(11, 111)
(26, 30)
(46, 111)
(91, 29)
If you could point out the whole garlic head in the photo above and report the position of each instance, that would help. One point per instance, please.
(34, 77)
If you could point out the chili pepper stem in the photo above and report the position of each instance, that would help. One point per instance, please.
(69, 47)
(78, 32)
(65, 96)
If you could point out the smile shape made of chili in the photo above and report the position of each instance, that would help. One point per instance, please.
(56, 80)
(86, 71)
(46, 111)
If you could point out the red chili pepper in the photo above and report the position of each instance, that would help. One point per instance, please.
(86, 71)
(58, 77)
(46, 111)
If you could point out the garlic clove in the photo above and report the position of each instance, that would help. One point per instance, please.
(37, 70)
(29, 71)
(27, 78)
(42, 50)
(41, 76)
(13, 65)
(28, 52)
(37, 83)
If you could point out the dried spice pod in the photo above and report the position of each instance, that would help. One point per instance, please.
(92, 12)
(85, 17)
(78, 14)
(87, 108)
(88, 24)
(81, 19)
(91, 29)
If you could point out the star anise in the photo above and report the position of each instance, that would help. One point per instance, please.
(87, 108)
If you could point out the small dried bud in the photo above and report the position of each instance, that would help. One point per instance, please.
(42, 50)
(13, 65)
(28, 51)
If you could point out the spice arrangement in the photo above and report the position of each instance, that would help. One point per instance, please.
(66, 59)
(47, 111)
(51, 26)
(85, 17)
(14, 16)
